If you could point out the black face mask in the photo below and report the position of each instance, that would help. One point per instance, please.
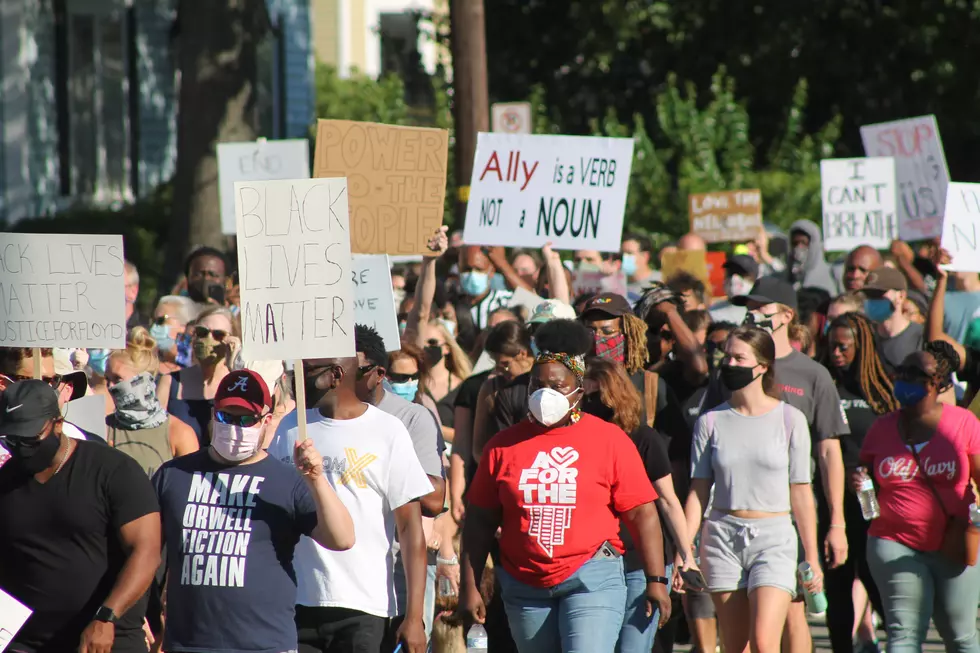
(592, 404)
(312, 393)
(34, 456)
(201, 291)
(735, 378)
(433, 354)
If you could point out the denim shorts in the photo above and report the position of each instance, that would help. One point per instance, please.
(748, 553)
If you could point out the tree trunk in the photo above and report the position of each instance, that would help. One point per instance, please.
(216, 42)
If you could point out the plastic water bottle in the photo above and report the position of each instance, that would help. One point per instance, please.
(476, 639)
(867, 497)
(815, 603)
(446, 588)
(975, 514)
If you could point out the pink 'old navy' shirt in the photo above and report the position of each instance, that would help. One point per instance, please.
(910, 513)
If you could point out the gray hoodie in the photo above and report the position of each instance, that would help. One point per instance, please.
(815, 272)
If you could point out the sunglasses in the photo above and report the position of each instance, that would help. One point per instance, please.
(245, 421)
(201, 332)
(53, 381)
(160, 321)
(364, 371)
(402, 378)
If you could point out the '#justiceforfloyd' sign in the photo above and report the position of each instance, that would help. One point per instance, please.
(567, 190)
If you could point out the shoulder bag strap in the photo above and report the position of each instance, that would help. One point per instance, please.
(651, 387)
(918, 464)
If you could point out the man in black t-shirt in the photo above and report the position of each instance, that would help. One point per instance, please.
(79, 531)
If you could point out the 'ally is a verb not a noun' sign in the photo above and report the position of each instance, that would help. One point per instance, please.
(297, 296)
(529, 190)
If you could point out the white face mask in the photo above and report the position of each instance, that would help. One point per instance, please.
(235, 443)
(737, 285)
(549, 406)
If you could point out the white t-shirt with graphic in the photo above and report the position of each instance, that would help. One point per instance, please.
(371, 464)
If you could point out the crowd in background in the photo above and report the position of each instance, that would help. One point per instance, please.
(597, 471)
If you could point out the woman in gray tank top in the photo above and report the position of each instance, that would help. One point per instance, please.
(755, 449)
(140, 426)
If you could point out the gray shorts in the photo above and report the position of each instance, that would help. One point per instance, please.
(748, 553)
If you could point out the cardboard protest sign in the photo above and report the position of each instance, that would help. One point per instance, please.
(295, 266)
(715, 263)
(59, 290)
(592, 280)
(13, 616)
(530, 190)
(726, 216)
(960, 227)
(374, 303)
(396, 177)
(259, 160)
(920, 170)
(858, 199)
(694, 262)
(511, 117)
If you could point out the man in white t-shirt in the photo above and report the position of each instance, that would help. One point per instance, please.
(345, 599)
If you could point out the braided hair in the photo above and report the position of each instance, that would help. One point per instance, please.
(635, 332)
(872, 378)
(947, 361)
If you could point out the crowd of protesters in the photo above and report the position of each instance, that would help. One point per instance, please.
(599, 471)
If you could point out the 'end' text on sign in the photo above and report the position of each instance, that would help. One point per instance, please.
(62, 290)
(295, 265)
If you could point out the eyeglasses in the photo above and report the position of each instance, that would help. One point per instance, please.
(394, 377)
(202, 332)
(245, 421)
(839, 346)
(364, 371)
(53, 381)
(606, 331)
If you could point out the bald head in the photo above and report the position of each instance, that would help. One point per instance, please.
(860, 262)
(691, 242)
(473, 258)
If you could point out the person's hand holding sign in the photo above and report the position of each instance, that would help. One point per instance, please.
(439, 243)
(308, 460)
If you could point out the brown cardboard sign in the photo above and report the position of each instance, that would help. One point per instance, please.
(726, 216)
(396, 180)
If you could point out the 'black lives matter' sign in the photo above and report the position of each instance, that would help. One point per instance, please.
(295, 265)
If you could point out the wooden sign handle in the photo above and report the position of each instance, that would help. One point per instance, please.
(298, 383)
(37, 362)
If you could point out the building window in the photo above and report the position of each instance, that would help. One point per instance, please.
(96, 87)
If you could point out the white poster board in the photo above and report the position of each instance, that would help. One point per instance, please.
(567, 190)
(13, 616)
(259, 160)
(62, 290)
(960, 227)
(858, 200)
(920, 168)
(525, 298)
(87, 413)
(374, 303)
(510, 117)
(295, 265)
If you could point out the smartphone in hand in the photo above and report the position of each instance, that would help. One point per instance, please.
(694, 580)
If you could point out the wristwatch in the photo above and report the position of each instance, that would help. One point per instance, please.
(105, 615)
(658, 579)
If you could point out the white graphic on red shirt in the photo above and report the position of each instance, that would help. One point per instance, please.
(549, 486)
(905, 469)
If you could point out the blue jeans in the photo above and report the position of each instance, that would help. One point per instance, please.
(916, 585)
(582, 614)
(639, 630)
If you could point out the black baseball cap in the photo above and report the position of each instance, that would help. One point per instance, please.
(25, 407)
(609, 303)
(743, 264)
(769, 290)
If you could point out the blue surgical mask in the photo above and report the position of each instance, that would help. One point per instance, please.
(474, 283)
(498, 282)
(406, 390)
(909, 393)
(629, 265)
(97, 359)
(402, 326)
(878, 309)
(449, 326)
(161, 333)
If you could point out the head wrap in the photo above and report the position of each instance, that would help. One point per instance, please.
(576, 364)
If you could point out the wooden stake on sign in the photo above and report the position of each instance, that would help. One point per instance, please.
(37, 362)
(298, 383)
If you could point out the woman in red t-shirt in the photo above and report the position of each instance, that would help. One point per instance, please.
(557, 484)
(943, 443)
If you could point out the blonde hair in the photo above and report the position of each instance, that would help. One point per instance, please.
(140, 352)
(459, 363)
(236, 328)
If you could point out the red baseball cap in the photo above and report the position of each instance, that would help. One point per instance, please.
(243, 389)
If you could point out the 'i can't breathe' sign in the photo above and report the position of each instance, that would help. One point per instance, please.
(567, 190)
